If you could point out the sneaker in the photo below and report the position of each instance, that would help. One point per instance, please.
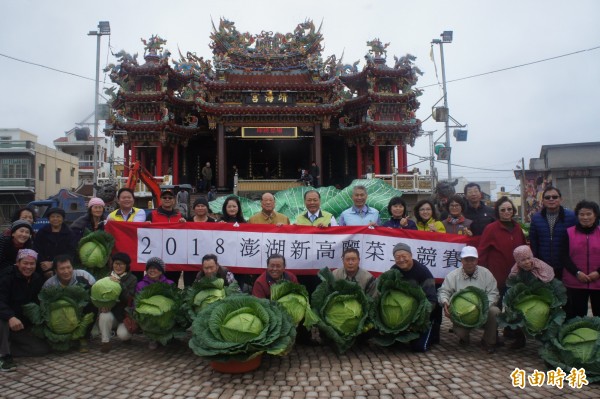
(7, 363)
(152, 345)
(105, 347)
(463, 342)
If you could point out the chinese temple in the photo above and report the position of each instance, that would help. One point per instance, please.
(268, 104)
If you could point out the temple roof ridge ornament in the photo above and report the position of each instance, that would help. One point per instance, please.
(267, 51)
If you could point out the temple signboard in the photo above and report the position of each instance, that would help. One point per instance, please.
(269, 132)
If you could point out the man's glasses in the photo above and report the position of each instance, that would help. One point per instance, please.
(549, 197)
(168, 198)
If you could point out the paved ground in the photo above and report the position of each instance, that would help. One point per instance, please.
(132, 371)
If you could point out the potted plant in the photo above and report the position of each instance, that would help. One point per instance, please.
(234, 332)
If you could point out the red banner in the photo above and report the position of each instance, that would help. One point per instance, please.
(245, 248)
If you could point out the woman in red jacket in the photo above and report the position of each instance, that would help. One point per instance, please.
(499, 240)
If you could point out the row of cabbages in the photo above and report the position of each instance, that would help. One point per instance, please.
(229, 325)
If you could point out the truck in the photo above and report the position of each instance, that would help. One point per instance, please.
(73, 204)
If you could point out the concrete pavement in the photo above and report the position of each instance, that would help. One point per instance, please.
(133, 371)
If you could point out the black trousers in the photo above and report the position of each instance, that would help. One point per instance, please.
(21, 343)
(577, 302)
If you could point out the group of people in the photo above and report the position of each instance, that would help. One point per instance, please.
(564, 244)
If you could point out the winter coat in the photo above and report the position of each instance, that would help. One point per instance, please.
(545, 248)
(496, 247)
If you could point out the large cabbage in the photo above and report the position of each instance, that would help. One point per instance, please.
(158, 312)
(294, 298)
(342, 308)
(577, 345)
(94, 250)
(534, 306)
(469, 307)
(59, 317)
(401, 310)
(204, 292)
(105, 293)
(241, 327)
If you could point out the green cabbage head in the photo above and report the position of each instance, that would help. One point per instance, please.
(294, 298)
(576, 345)
(581, 343)
(205, 297)
(155, 313)
(469, 307)
(536, 312)
(241, 327)
(94, 250)
(397, 308)
(105, 293)
(63, 317)
(59, 317)
(344, 313)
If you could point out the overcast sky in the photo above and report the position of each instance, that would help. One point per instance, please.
(509, 114)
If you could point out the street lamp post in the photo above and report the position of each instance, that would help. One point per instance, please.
(446, 37)
(103, 30)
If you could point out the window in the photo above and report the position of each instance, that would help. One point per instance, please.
(11, 168)
(58, 175)
(41, 172)
(72, 172)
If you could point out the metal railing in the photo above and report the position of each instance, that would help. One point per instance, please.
(141, 190)
(408, 182)
(17, 184)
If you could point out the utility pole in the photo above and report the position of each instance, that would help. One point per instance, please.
(523, 190)
(446, 37)
(103, 30)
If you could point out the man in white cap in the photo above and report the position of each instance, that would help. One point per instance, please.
(18, 286)
(470, 274)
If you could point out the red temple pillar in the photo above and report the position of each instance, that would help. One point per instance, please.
(176, 164)
(159, 170)
(400, 158)
(377, 169)
(359, 161)
(404, 159)
(126, 162)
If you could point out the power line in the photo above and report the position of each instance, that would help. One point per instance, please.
(47, 67)
(514, 67)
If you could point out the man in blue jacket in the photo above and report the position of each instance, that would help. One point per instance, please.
(548, 229)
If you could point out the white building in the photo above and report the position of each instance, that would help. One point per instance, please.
(80, 143)
(31, 171)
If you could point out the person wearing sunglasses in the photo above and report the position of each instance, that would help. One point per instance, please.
(166, 213)
(499, 240)
(548, 229)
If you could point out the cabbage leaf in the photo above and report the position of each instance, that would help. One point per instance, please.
(60, 318)
(241, 327)
(469, 307)
(342, 308)
(158, 311)
(534, 306)
(576, 345)
(401, 312)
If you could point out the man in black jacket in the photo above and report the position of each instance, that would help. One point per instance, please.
(19, 285)
(476, 210)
